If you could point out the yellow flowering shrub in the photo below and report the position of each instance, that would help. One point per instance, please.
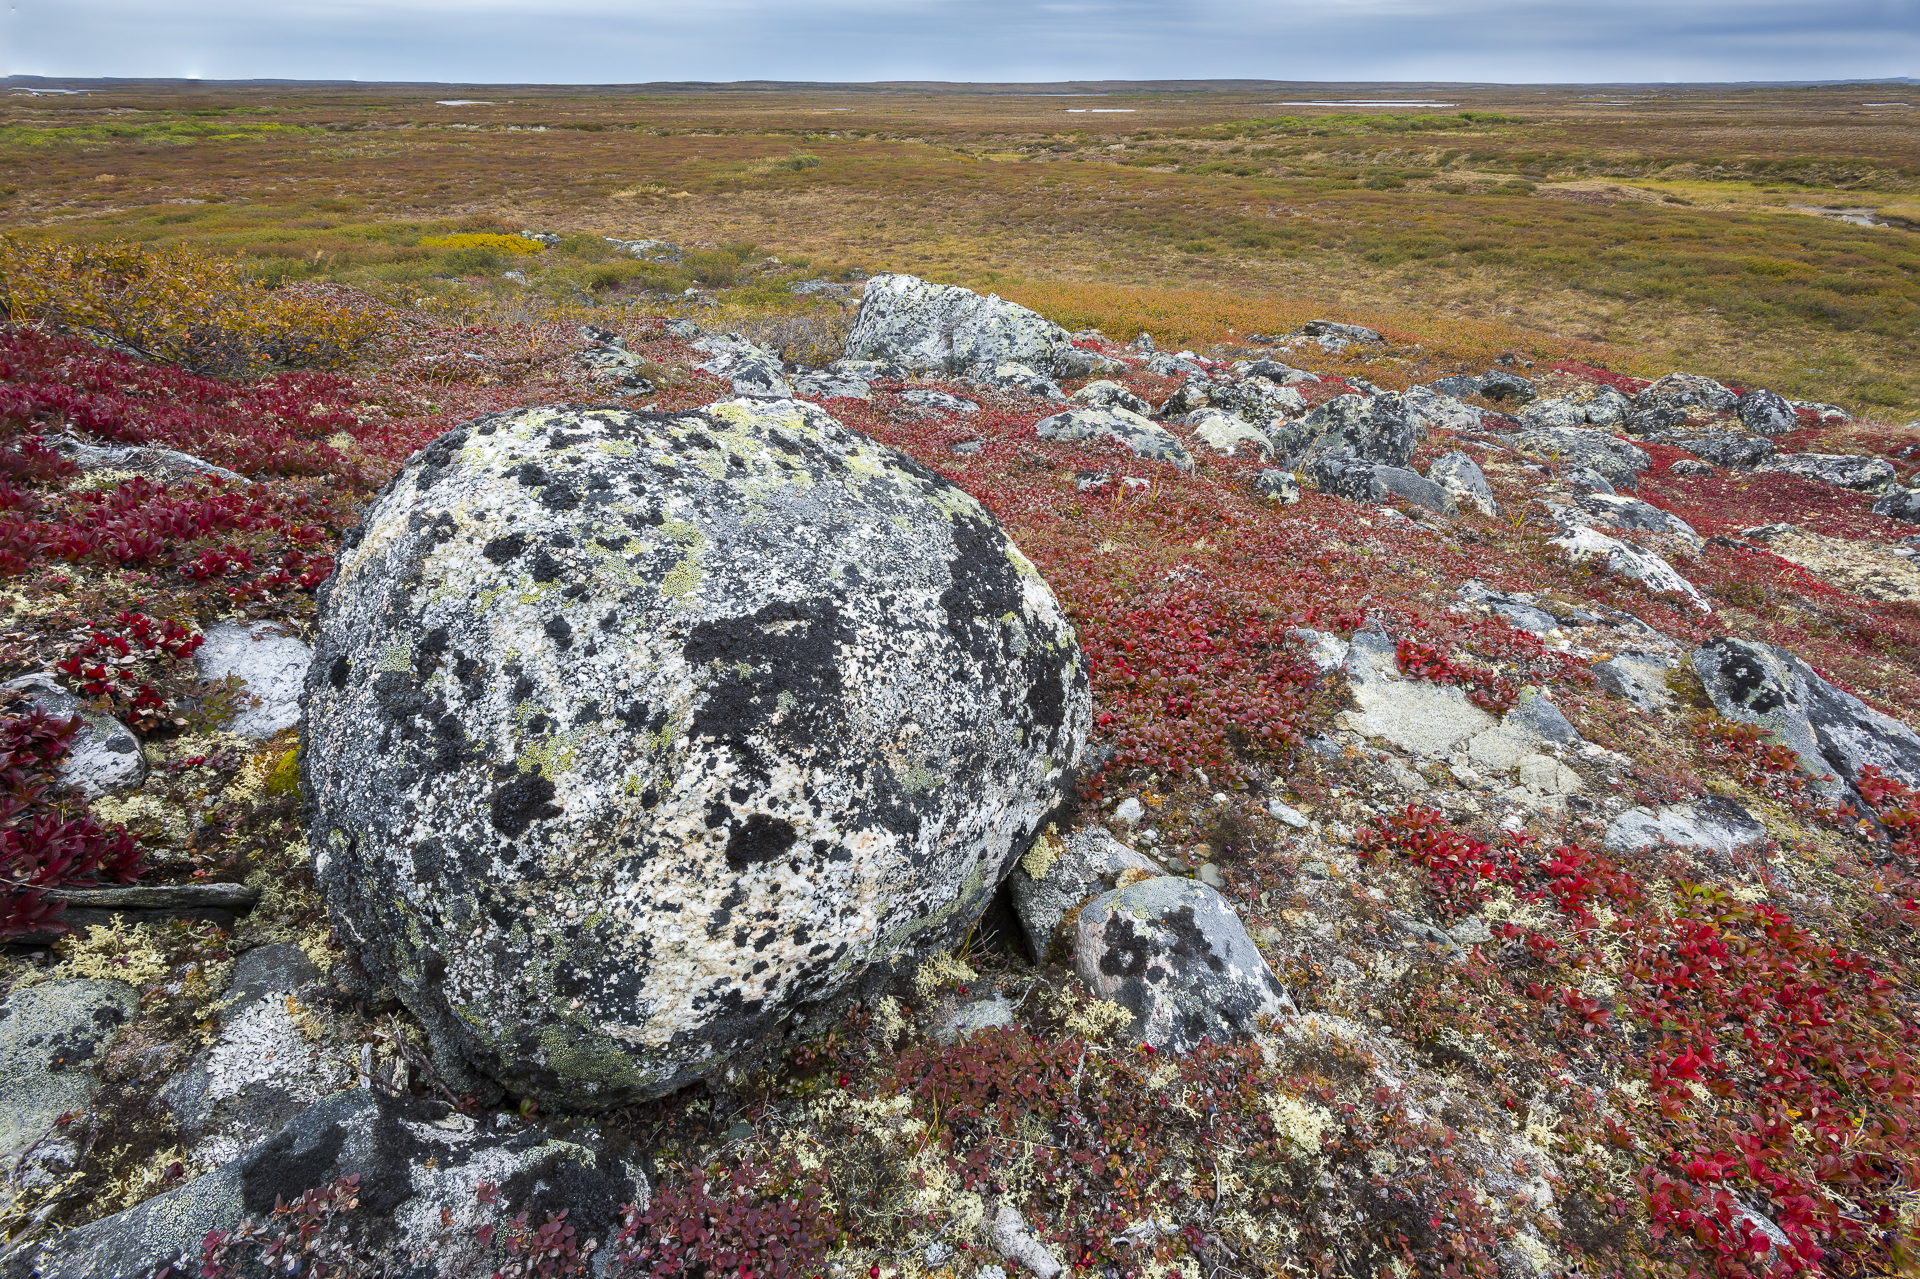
(500, 243)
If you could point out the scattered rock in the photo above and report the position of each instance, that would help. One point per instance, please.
(164, 466)
(1769, 532)
(1280, 486)
(1011, 376)
(730, 704)
(1372, 482)
(1112, 395)
(103, 756)
(1256, 400)
(262, 1069)
(1555, 414)
(1274, 371)
(1085, 863)
(1632, 562)
(1690, 466)
(1433, 410)
(1900, 504)
(1461, 476)
(1686, 390)
(1517, 609)
(1607, 409)
(930, 399)
(938, 328)
(1498, 384)
(750, 369)
(52, 1037)
(1848, 470)
(1227, 434)
(271, 663)
(414, 1160)
(1714, 823)
(1610, 510)
(1614, 458)
(1641, 678)
(828, 386)
(1742, 451)
(1767, 413)
(1287, 814)
(1143, 436)
(972, 1017)
(1372, 428)
(1344, 332)
(1655, 421)
(1175, 955)
(1832, 731)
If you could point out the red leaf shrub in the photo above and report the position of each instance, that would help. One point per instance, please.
(743, 1221)
(46, 840)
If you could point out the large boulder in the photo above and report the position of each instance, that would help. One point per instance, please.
(1228, 433)
(103, 756)
(1173, 953)
(632, 738)
(1686, 390)
(1767, 413)
(1433, 410)
(415, 1160)
(1617, 461)
(1846, 470)
(941, 328)
(1831, 730)
(1632, 562)
(1374, 428)
(1724, 448)
(1900, 504)
(1359, 481)
(1460, 475)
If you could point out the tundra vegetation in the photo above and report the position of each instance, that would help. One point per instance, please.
(1651, 1049)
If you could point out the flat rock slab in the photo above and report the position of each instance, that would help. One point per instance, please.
(103, 757)
(1416, 716)
(1074, 868)
(1641, 678)
(1141, 436)
(52, 1036)
(1626, 560)
(1714, 824)
(271, 663)
(1610, 510)
(632, 737)
(413, 1158)
(1175, 955)
(1832, 731)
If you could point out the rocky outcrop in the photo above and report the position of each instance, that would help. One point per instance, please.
(52, 1039)
(1742, 451)
(632, 738)
(1712, 825)
(1373, 428)
(1617, 461)
(1141, 436)
(414, 1160)
(103, 756)
(272, 665)
(939, 328)
(1686, 390)
(1900, 504)
(1460, 475)
(1847, 470)
(750, 369)
(1767, 413)
(1832, 731)
(1632, 562)
(1173, 953)
(1373, 482)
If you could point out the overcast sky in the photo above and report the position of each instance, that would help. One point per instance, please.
(628, 41)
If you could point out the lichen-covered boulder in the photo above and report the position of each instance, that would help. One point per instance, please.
(941, 328)
(1460, 475)
(1686, 390)
(1767, 412)
(1142, 436)
(1724, 448)
(1633, 562)
(1617, 461)
(1228, 433)
(633, 737)
(1374, 428)
(1847, 470)
(1900, 504)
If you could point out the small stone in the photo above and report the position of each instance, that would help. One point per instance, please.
(970, 1018)
(1130, 810)
(1284, 813)
(1209, 874)
(271, 663)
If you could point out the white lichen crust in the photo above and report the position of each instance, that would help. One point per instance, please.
(632, 736)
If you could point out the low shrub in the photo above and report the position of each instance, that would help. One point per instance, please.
(47, 838)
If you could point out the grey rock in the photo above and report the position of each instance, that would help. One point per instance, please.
(1767, 413)
(1768, 532)
(1104, 394)
(1194, 393)
(1614, 458)
(1900, 504)
(103, 756)
(1416, 716)
(1586, 479)
(1457, 385)
(1435, 410)
(1371, 482)
(1641, 678)
(926, 398)
(1519, 610)
(648, 250)
(1373, 428)
(1610, 510)
(1825, 412)
(1607, 409)
(826, 386)
(1143, 343)
(271, 663)
(1276, 372)
(1167, 364)
(52, 1039)
(1848, 470)
(1228, 434)
(1175, 955)
(748, 368)
(1742, 451)
(1686, 390)
(1631, 562)
(1690, 466)
(1346, 332)
(972, 1017)
(1088, 861)
(1286, 813)
(165, 466)
(1832, 731)
(1553, 413)
(1141, 436)
(1015, 1241)
(260, 1070)
(1012, 376)
(1326, 651)
(1655, 421)
(740, 666)
(1498, 384)
(938, 328)
(1209, 874)
(1471, 931)
(1077, 361)
(817, 287)
(865, 370)
(683, 329)
(1256, 400)
(413, 1158)
(1715, 824)
(1130, 811)
(1460, 475)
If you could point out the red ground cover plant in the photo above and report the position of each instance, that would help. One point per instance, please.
(47, 838)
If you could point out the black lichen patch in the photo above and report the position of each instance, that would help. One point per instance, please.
(560, 631)
(503, 549)
(759, 839)
(524, 800)
(791, 647)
